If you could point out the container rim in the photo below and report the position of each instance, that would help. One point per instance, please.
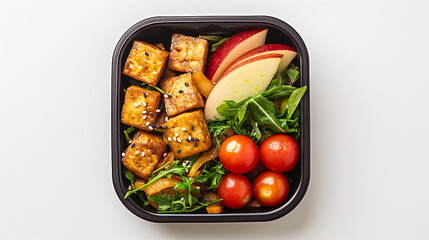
(305, 123)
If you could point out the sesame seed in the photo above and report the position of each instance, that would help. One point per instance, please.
(179, 150)
(137, 152)
(195, 144)
(176, 135)
(146, 53)
(225, 135)
(158, 110)
(197, 187)
(192, 139)
(129, 188)
(179, 140)
(166, 119)
(165, 95)
(188, 140)
(151, 114)
(169, 139)
(197, 140)
(139, 103)
(147, 123)
(186, 170)
(144, 117)
(165, 154)
(182, 199)
(150, 128)
(180, 91)
(183, 129)
(144, 112)
(174, 158)
(184, 164)
(132, 145)
(186, 161)
(164, 127)
(130, 141)
(154, 125)
(174, 138)
(256, 124)
(123, 154)
(169, 96)
(143, 153)
(192, 127)
(186, 84)
(136, 105)
(144, 104)
(144, 94)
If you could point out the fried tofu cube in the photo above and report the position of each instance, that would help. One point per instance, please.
(187, 134)
(140, 108)
(145, 62)
(180, 94)
(187, 54)
(143, 153)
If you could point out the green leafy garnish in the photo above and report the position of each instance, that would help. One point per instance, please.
(217, 41)
(211, 174)
(176, 168)
(180, 202)
(257, 117)
(145, 85)
(127, 132)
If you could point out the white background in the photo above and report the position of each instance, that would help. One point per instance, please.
(369, 112)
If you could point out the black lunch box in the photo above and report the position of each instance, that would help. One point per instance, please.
(159, 29)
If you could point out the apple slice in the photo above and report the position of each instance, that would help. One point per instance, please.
(288, 54)
(237, 45)
(247, 78)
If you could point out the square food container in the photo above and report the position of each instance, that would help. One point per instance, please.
(159, 29)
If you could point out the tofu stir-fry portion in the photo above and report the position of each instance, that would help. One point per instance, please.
(183, 155)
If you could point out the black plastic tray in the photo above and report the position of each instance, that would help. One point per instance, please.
(159, 29)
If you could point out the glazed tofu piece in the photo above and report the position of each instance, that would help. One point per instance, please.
(145, 62)
(187, 134)
(140, 108)
(187, 54)
(143, 154)
(180, 94)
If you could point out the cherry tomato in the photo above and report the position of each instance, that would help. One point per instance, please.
(239, 154)
(235, 190)
(270, 188)
(279, 153)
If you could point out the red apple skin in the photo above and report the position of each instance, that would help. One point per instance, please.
(263, 48)
(247, 61)
(222, 52)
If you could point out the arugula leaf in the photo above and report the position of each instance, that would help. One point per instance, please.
(216, 40)
(215, 46)
(130, 176)
(294, 100)
(293, 74)
(211, 174)
(211, 38)
(145, 85)
(217, 128)
(176, 168)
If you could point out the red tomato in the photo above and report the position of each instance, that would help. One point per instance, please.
(270, 188)
(279, 153)
(235, 190)
(239, 154)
